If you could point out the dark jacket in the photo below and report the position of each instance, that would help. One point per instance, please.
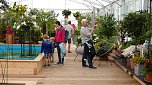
(46, 47)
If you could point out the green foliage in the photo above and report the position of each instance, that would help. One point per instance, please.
(66, 12)
(127, 44)
(136, 24)
(77, 31)
(42, 17)
(5, 5)
(79, 40)
(138, 59)
(147, 66)
(77, 14)
(106, 26)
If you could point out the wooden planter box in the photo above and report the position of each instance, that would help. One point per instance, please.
(19, 67)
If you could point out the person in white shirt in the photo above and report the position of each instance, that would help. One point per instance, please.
(89, 51)
(69, 33)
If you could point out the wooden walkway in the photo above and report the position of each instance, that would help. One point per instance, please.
(72, 73)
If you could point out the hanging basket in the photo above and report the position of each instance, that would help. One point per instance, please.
(148, 77)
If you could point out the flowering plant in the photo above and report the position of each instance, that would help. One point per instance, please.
(148, 66)
(138, 59)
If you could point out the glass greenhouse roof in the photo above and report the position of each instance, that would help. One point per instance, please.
(63, 4)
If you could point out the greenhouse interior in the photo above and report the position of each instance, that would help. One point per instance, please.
(75, 42)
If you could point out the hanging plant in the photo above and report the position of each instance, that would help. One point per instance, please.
(66, 12)
(77, 15)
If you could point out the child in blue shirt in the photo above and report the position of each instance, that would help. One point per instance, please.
(46, 49)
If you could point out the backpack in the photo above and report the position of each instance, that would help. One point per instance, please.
(66, 35)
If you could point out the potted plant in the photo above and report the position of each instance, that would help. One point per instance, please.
(148, 70)
(66, 13)
(138, 60)
(105, 30)
(77, 15)
(136, 25)
(106, 26)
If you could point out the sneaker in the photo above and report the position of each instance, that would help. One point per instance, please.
(58, 63)
(69, 52)
(85, 65)
(93, 67)
(52, 61)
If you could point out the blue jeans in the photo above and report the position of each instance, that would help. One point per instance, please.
(87, 55)
(59, 52)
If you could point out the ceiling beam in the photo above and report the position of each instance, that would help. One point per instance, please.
(88, 6)
(112, 2)
(94, 3)
(108, 1)
(100, 3)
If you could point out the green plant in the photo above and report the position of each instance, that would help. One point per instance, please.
(138, 59)
(136, 24)
(5, 5)
(77, 14)
(148, 66)
(77, 31)
(106, 26)
(66, 12)
(44, 18)
(79, 41)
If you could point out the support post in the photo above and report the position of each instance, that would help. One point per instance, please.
(93, 17)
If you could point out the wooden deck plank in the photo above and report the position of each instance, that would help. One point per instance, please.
(72, 73)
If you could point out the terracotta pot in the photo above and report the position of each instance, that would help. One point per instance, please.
(66, 17)
(148, 77)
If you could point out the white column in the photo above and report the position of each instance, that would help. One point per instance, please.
(103, 10)
(98, 12)
(122, 9)
(111, 11)
(93, 17)
(134, 5)
(146, 5)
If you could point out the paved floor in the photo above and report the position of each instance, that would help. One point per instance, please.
(72, 73)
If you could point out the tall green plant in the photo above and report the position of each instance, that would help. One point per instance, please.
(106, 26)
(42, 17)
(136, 25)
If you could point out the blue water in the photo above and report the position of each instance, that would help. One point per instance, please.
(6, 52)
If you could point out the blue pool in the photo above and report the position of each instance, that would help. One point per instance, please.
(14, 52)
